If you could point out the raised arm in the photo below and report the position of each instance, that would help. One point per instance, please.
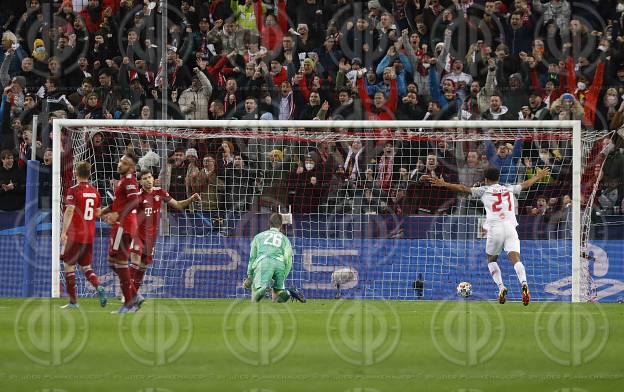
(5, 78)
(490, 82)
(407, 64)
(570, 75)
(205, 82)
(434, 85)
(409, 51)
(517, 149)
(490, 151)
(439, 182)
(448, 34)
(383, 64)
(393, 99)
(364, 98)
(539, 174)
(182, 204)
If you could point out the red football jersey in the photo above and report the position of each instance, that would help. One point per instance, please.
(149, 212)
(126, 201)
(86, 200)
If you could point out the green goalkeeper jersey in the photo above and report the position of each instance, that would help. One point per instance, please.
(270, 244)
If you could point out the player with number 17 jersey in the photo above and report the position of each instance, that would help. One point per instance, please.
(125, 202)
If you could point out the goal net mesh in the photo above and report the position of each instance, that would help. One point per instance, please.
(364, 224)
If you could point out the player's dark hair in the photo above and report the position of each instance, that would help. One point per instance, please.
(5, 154)
(144, 172)
(131, 156)
(275, 220)
(83, 169)
(491, 173)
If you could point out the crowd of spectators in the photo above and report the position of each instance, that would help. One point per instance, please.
(316, 60)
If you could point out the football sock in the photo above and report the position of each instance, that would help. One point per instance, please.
(496, 274)
(124, 281)
(92, 277)
(137, 276)
(521, 272)
(70, 281)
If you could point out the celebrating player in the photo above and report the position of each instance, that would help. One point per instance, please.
(82, 207)
(122, 216)
(148, 214)
(500, 223)
(271, 258)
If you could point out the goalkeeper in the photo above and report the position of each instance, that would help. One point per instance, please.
(271, 259)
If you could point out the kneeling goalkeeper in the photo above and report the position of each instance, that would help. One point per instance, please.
(271, 259)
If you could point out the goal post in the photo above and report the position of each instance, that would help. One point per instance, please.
(337, 131)
(577, 153)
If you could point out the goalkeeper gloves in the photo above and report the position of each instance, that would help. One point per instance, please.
(247, 283)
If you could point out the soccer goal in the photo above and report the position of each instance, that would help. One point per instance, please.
(364, 223)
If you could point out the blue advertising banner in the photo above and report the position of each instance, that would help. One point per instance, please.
(210, 267)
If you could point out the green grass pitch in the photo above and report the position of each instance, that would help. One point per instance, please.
(320, 346)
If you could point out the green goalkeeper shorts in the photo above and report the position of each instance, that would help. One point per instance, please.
(268, 269)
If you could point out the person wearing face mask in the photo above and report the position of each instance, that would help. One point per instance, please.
(587, 94)
(608, 108)
(39, 51)
(618, 117)
(306, 185)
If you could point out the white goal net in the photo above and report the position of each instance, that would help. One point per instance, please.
(364, 225)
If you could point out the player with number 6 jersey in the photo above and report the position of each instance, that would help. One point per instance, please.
(82, 207)
(500, 223)
(148, 217)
